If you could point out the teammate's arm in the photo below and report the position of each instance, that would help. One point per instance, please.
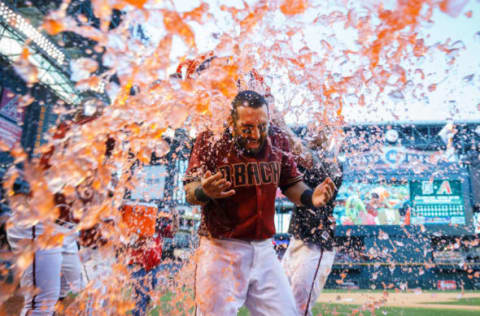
(301, 194)
(210, 187)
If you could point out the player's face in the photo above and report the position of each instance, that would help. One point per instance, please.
(250, 128)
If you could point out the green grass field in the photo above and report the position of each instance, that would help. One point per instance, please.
(339, 309)
(463, 301)
(335, 309)
(395, 291)
(344, 310)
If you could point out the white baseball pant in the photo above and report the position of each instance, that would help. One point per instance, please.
(53, 273)
(231, 273)
(307, 267)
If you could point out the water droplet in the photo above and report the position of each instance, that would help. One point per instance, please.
(468, 78)
(476, 37)
(337, 77)
(396, 95)
(458, 45)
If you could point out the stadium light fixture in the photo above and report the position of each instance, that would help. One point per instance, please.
(21, 24)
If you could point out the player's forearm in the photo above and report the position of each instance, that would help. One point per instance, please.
(294, 193)
(194, 195)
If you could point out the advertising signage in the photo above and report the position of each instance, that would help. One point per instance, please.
(10, 118)
(396, 157)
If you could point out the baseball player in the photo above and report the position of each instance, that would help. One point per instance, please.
(56, 269)
(310, 254)
(235, 179)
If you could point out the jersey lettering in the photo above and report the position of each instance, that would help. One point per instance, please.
(252, 173)
(240, 174)
(227, 172)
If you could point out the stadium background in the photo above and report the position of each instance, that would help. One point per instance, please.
(441, 255)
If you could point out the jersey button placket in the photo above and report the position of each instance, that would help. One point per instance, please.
(258, 196)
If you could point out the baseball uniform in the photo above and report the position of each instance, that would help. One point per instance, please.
(236, 263)
(310, 255)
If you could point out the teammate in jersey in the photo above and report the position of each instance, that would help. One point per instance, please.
(235, 179)
(311, 252)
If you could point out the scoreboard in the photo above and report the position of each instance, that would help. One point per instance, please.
(420, 201)
(437, 202)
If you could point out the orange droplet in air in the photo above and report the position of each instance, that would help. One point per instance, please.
(291, 32)
(174, 24)
(90, 82)
(202, 106)
(4, 146)
(340, 109)
(432, 87)
(97, 184)
(361, 100)
(420, 72)
(145, 155)
(419, 49)
(138, 3)
(469, 14)
(197, 13)
(53, 27)
(293, 7)
(25, 53)
(452, 7)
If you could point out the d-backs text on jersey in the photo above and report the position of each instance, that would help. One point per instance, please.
(252, 173)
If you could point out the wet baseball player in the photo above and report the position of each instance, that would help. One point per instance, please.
(235, 179)
(311, 252)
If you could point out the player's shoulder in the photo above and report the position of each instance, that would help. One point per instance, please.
(278, 137)
(208, 136)
(205, 134)
(204, 137)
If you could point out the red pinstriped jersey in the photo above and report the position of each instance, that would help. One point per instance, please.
(249, 214)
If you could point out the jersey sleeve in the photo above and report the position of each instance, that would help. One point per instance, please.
(289, 173)
(198, 159)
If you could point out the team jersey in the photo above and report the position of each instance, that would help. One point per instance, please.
(316, 225)
(249, 214)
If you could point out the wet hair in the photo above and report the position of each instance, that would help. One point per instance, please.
(247, 98)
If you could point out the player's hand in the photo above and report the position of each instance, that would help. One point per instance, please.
(216, 186)
(323, 193)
